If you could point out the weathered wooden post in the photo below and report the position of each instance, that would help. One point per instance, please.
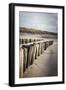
(23, 41)
(25, 59)
(30, 54)
(33, 54)
(31, 58)
(42, 47)
(26, 40)
(26, 50)
(34, 40)
(47, 43)
(52, 42)
(29, 40)
(21, 61)
(45, 46)
(39, 50)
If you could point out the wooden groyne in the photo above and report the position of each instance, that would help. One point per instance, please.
(30, 49)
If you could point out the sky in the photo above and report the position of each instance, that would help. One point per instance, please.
(39, 20)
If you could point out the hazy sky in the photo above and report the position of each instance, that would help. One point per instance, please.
(41, 21)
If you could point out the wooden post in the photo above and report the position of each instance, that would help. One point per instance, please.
(31, 55)
(45, 46)
(21, 59)
(25, 59)
(39, 50)
(29, 40)
(36, 52)
(23, 41)
(42, 47)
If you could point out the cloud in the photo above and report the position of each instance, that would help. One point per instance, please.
(42, 21)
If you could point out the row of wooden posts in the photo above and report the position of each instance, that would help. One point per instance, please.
(24, 41)
(29, 52)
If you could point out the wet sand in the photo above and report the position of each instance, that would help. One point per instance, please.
(45, 64)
